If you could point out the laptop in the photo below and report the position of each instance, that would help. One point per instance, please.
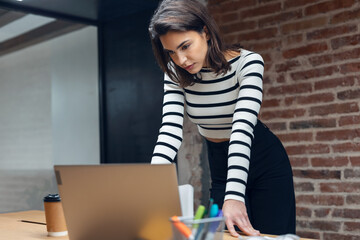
(119, 201)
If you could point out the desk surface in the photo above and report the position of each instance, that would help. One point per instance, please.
(14, 226)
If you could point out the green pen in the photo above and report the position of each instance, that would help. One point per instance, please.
(200, 232)
(198, 215)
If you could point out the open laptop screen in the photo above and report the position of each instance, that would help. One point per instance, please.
(119, 201)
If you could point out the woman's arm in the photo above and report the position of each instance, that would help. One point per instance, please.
(170, 133)
(244, 120)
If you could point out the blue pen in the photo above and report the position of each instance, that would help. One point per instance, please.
(199, 231)
(213, 211)
(213, 227)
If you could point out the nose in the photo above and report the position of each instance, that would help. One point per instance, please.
(182, 59)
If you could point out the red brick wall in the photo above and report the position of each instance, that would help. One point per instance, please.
(311, 50)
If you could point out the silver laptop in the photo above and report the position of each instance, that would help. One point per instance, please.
(119, 201)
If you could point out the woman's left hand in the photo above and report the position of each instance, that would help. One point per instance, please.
(236, 214)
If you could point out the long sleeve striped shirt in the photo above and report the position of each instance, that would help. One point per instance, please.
(222, 106)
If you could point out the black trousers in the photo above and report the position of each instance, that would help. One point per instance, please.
(269, 196)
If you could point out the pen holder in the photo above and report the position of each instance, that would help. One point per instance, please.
(203, 229)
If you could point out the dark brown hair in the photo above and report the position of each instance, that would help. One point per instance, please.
(186, 15)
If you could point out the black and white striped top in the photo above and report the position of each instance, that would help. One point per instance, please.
(223, 106)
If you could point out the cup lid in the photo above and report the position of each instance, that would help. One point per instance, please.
(52, 198)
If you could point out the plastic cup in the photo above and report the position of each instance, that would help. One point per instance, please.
(206, 228)
(54, 214)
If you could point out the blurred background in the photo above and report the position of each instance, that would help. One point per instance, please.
(79, 85)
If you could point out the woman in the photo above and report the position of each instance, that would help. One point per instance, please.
(222, 89)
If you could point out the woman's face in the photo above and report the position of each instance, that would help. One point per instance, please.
(187, 49)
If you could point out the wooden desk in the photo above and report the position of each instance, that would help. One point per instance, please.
(227, 236)
(14, 227)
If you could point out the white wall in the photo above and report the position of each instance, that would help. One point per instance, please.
(25, 109)
(75, 102)
(48, 115)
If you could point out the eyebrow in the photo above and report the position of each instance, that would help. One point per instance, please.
(181, 44)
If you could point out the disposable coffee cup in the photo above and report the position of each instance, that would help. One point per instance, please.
(54, 214)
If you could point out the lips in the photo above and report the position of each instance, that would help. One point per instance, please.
(189, 67)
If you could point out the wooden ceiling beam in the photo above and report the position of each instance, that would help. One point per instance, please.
(7, 17)
(38, 35)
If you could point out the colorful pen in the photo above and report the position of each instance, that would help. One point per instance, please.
(183, 229)
(199, 212)
(213, 227)
(198, 215)
(199, 232)
(213, 211)
(207, 211)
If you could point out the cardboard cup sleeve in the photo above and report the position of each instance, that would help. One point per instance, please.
(54, 214)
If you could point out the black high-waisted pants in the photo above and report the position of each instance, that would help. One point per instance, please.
(269, 196)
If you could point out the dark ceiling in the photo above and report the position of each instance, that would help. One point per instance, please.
(68, 15)
(84, 11)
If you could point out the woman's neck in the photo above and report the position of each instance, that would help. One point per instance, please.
(230, 54)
